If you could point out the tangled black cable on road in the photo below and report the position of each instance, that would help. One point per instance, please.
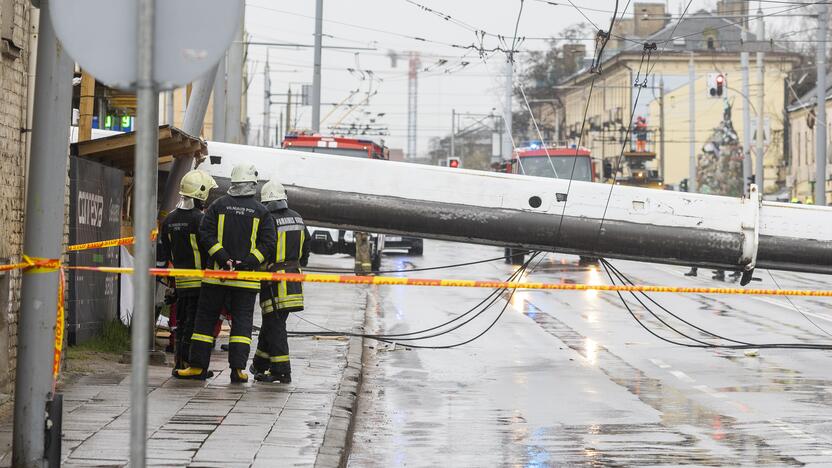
(401, 338)
(611, 270)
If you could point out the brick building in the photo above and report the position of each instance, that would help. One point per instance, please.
(15, 46)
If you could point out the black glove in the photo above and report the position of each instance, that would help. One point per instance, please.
(222, 258)
(250, 263)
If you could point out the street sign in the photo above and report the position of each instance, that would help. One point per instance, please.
(190, 37)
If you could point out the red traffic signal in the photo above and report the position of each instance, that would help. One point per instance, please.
(453, 162)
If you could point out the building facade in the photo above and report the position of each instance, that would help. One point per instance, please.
(15, 16)
(656, 86)
(801, 179)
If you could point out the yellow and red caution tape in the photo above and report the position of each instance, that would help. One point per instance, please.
(107, 243)
(454, 283)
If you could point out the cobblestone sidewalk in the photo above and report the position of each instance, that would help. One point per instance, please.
(216, 423)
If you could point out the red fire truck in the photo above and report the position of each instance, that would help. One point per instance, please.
(561, 162)
(327, 241)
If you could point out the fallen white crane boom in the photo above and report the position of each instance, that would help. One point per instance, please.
(525, 212)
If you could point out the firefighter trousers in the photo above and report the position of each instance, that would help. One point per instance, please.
(273, 345)
(211, 300)
(187, 301)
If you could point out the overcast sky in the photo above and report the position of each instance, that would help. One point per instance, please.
(382, 24)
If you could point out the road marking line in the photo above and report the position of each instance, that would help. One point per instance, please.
(682, 376)
(710, 391)
(660, 363)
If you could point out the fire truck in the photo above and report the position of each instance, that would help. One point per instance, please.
(559, 162)
(328, 241)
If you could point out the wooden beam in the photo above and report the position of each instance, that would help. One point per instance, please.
(86, 106)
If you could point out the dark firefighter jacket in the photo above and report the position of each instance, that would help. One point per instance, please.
(238, 229)
(179, 244)
(291, 251)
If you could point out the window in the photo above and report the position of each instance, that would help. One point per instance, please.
(7, 11)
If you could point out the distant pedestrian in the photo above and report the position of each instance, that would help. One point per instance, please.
(179, 244)
(279, 298)
(239, 234)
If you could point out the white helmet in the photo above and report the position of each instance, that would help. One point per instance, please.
(243, 173)
(196, 184)
(272, 191)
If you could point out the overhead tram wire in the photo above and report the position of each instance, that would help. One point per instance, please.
(794, 306)
(440, 267)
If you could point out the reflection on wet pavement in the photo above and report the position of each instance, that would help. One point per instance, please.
(568, 379)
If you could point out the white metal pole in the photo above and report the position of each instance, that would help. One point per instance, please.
(316, 73)
(759, 166)
(692, 186)
(453, 132)
(218, 111)
(234, 117)
(147, 138)
(746, 116)
(820, 121)
(43, 238)
(267, 103)
(509, 90)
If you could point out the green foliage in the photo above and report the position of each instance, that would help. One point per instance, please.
(114, 338)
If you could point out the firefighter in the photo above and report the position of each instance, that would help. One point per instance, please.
(238, 233)
(179, 244)
(278, 299)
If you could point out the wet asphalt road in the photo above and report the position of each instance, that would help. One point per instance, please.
(570, 379)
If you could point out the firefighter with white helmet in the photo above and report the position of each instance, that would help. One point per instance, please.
(179, 244)
(238, 234)
(279, 298)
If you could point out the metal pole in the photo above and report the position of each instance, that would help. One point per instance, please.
(234, 117)
(509, 89)
(661, 123)
(453, 132)
(820, 120)
(43, 238)
(192, 125)
(170, 97)
(218, 112)
(746, 117)
(267, 102)
(692, 186)
(288, 111)
(147, 147)
(316, 73)
(759, 167)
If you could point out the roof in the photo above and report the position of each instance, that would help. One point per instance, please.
(119, 150)
(809, 99)
(691, 34)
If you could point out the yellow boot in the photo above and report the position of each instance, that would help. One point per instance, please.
(193, 373)
(238, 376)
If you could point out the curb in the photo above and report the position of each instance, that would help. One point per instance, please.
(335, 450)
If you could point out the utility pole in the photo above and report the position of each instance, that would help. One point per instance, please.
(46, 179)
(234, 117)
(169, 107)
(288, 126)
(412, 104)
(316, 73)
(144, 200)
(759, 167)
(661, 123)
(820, 120)
(453, 132)
(267, 102)
(508, 144)
(85, 106)
(692, 186)
(746, 116)
(194, 118)
(218, 113)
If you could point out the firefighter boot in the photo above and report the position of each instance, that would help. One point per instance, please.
(719, 275)
(693, 271)
(271, 376)
(238, 376)
(193, 373)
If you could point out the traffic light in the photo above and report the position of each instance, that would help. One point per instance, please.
(716, 84)
(453, 162)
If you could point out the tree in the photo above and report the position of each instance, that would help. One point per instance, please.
(540, 75)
